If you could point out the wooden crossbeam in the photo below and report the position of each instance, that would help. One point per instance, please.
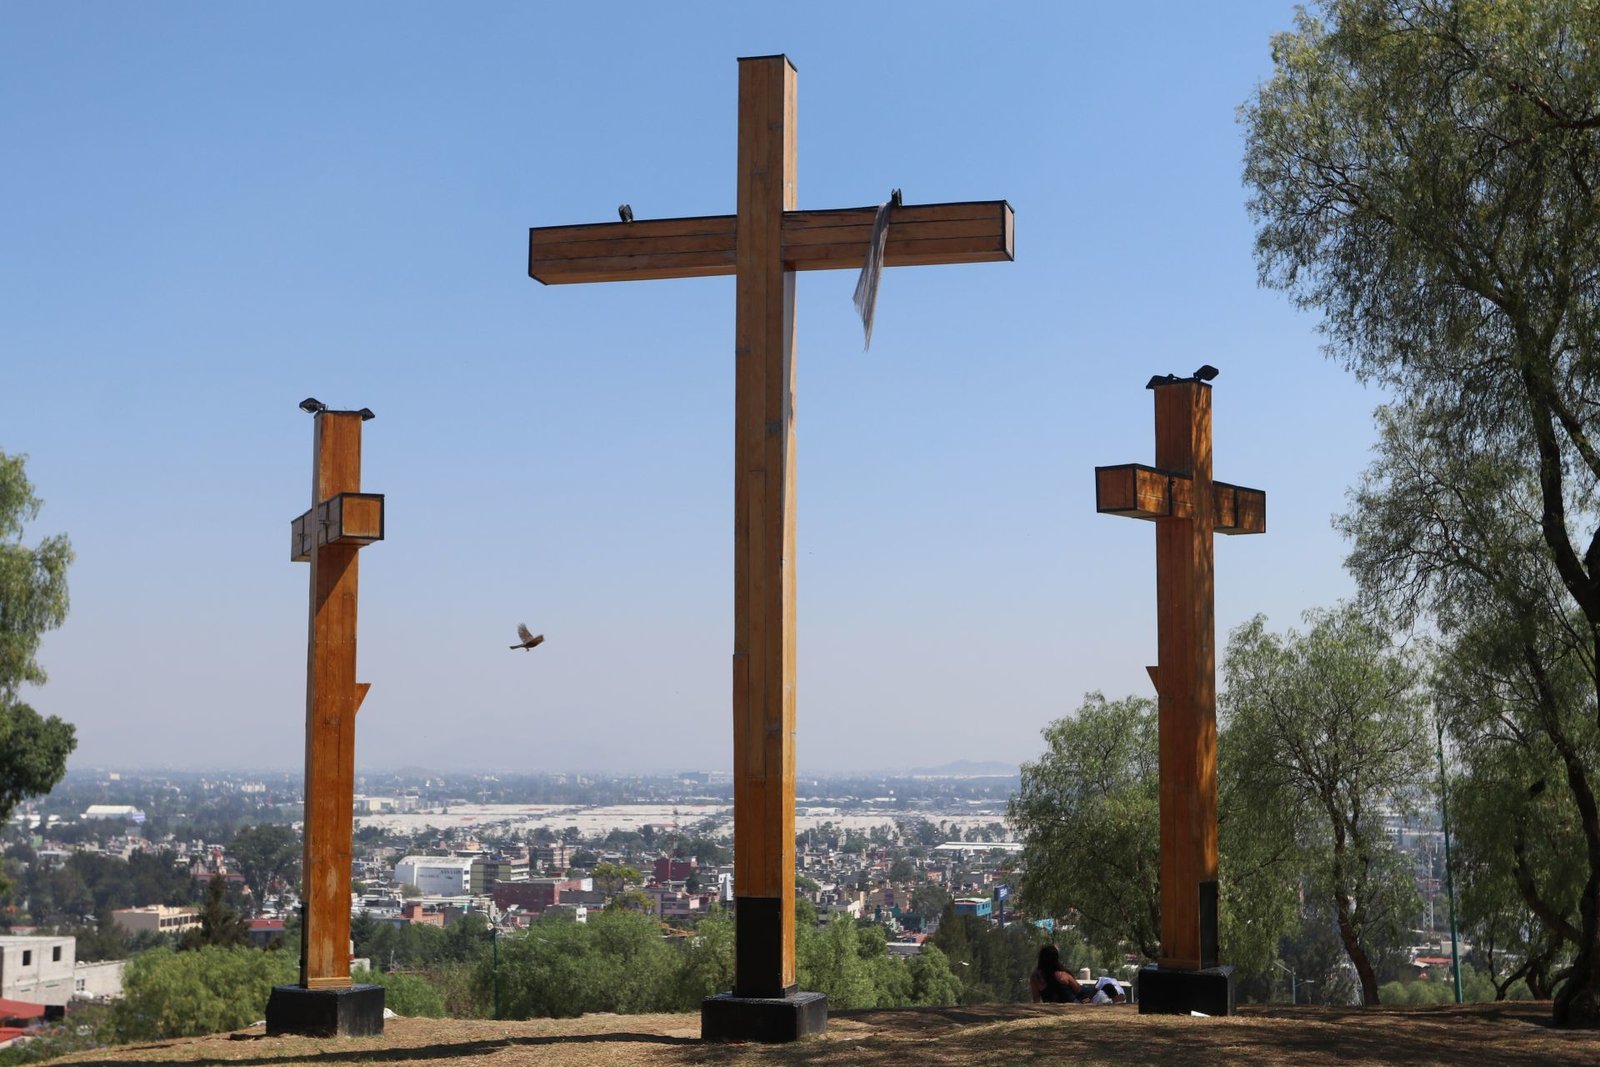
(1138, 491)
(981, 231)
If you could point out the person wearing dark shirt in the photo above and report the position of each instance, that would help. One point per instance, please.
(1050, 983)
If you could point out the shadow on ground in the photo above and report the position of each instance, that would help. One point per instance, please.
(438, 1052)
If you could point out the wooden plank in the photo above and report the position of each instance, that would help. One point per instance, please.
(928, 234)
(1248, 511)
(1181, 574)
(1138, 491)
(302, 538)
(764, 452)
(549, 239)
(969, 232)
(1133, 490)
(330, 717)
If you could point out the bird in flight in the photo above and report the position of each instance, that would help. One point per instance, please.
(529, 639)
(625, 212)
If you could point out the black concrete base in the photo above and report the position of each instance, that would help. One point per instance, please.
(726, 1017)
(1162, 990)
(353, 1012)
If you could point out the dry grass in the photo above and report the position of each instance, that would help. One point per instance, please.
(1506, 1035)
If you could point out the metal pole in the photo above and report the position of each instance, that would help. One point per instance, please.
(1449, 877)
(494, 940)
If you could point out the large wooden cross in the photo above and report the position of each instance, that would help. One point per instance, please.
(342, 519)
(1187, 506)
(763, 245)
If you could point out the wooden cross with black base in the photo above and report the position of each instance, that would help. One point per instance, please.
(1187, 506)
(762, 246)
(342, 520)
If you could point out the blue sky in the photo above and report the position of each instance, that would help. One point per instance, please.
(216, 210)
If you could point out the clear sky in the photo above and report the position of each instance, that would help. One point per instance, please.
(214, 210)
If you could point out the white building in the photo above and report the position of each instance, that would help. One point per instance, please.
(98, 981)
(441, 876)
(37, 969)
(114, 811)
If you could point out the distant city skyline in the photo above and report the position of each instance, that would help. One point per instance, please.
(228, 209)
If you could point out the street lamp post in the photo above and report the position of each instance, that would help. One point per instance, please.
(1293, 991)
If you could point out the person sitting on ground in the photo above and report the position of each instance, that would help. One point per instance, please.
(1107, 990)
(1050, 982)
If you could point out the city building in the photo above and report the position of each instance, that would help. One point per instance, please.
(499, 870)
(37, 969)
(670, 869)
(98, 981)
(442, 876)
(982, 907)
(156, 919)
(126, 812)
(556, 857)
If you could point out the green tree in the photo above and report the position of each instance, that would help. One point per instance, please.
(1326, 728)
(708, 959)
(991, 962)
(1519, 844)
(185, 994)
(33, 599)
(266, 853)
(220, 925)
(1087, 813)
(1423, 175)
(929, 900)
(410, 995)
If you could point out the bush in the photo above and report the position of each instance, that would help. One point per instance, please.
(407, 994)
(206, 991)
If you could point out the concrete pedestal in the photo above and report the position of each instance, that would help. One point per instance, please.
(1162, 990)
(353, 1012)
(726, 1017)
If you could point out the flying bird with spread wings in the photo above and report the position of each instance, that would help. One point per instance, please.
(529, 638)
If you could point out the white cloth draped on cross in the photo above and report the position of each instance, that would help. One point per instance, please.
(866, 296)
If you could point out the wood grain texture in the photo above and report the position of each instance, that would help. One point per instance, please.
(331, 701)
(1187, 697)
(1137, 491)
(764, 506)
(923, 234)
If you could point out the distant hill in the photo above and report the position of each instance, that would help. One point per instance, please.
(966, 768)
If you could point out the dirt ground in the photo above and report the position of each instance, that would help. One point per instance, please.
(1505, 1035)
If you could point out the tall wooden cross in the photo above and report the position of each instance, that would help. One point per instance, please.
(342, 519)
(1187, 506)
(763, 244)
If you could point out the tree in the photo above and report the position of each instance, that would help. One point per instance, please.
(1326, 727)
(409, 995)
(33, 599)
(1424, 175)
(185, 994)
(266, 854)
(613, 877)
(220, 925)
(1519, 843)
(1087, 813)
(992, 962)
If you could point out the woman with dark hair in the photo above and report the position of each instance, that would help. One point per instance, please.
(1050, 982)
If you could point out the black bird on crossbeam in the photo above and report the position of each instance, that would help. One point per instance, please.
(625, 212)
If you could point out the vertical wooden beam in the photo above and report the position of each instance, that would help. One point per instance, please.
(1187, 684)
(764, 533)
(331, 701)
